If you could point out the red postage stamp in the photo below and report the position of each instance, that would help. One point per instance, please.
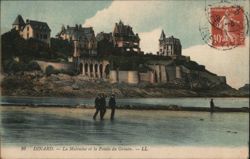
(227, 26)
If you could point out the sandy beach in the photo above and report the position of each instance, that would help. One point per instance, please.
(165, 133)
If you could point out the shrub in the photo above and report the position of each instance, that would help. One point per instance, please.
(33, 66)
(12, 66)
(50, 70)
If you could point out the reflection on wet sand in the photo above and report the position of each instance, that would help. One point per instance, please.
(67, 126)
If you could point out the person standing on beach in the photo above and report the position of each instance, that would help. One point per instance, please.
(103, 105)
(97, 106)
(212, 105)
(112, 105)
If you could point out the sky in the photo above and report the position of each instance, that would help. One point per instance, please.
(55, 13)
(148, 18)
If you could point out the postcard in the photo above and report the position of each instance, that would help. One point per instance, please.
(124, 79)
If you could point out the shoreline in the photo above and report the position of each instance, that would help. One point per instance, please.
(127, 97)
(133, 107)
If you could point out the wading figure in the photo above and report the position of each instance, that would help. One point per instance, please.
(97, 106)
(103, 106)
(211, 105)
(112, 105)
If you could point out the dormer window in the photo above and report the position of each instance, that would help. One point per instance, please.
(27, 28)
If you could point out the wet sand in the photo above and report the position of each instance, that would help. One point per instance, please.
(87, 112)
(173, 133)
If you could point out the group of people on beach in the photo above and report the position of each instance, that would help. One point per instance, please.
(100, 105)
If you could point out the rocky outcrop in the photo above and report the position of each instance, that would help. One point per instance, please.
(244, 90)
(62, 85)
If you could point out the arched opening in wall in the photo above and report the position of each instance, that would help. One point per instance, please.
(167, 76)
(86, 69)
(107, 70)
(91, 70)
(101, 68)
(155, 77)
(96, 70)
(81, 68)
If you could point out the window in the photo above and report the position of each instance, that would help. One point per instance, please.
(45, 36)
(28, 35)
(27, 28)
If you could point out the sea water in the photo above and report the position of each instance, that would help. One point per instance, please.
(185, 102)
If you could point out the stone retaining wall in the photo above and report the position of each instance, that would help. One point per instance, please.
(56, 65)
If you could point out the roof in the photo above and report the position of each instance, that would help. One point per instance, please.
(173, 40)
(125, 31)
(163, 36)
(19, 20)
(78, 32)
(37, 25)
(170, 39)
(85, 33)
(101, 36)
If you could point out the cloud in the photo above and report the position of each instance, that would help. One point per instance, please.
(137, 14)
(234, 64)
(180, 19)
(146, 17)
(150, 40)
(134, 13)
